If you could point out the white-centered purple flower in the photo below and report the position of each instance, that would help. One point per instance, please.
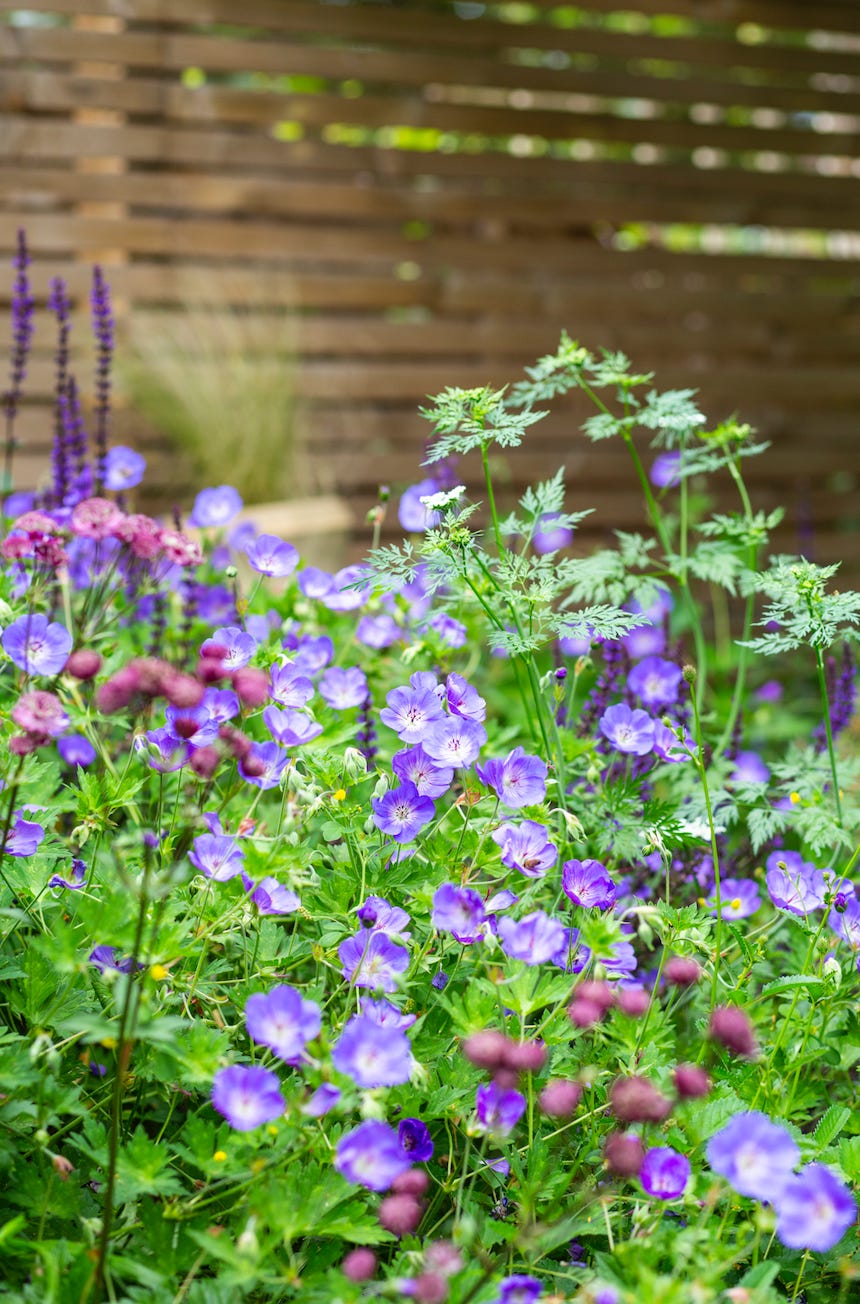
(371, 1055)
(429, 777)
(749, 768)
(217, 856)
(738, 898)
(344, 689)
(587, 883)
(77, 880)
(402, 812)
(385, 1013)
(381, 916)
(451, 632)
(282, 1020)
(371, 959)
(665, 470)
(371, 1155)
(411, 711)
(36, 645)
(793, 883)
(378, 631)
(630, 732)
(814, 1210)
(534, 939)
(463, 699)
(240, 647)
(459, 911)
(519, 780)
(311, 652)
(215, 507)
(655, 681)
(454, 741)
(222, 704)
(162, 750)
(290, 728)
(247, 1096)
(754, 1155)
(289, 686)
(498, 1109)
(526, 847)
(664, 1173)
(269, 555)
(123, 468)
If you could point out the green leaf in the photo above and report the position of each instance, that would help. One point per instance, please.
(830, 1125)
(761, 1275)
(793, 981)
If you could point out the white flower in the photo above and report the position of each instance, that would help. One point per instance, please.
(435, 502)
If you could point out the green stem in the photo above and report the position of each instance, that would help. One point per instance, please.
(825, 701)
(703, 775)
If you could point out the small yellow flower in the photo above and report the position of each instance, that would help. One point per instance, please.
(220, 1155)
(794, 798)
(158, 972)
(258, 1165)
(109, 1043)
(272, 1130)
(340, 795)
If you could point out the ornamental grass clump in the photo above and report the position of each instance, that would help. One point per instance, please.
(466, 925)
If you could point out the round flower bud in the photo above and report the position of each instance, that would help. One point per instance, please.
(204, 761)
(560, 1098)
(181, 689)
(623, 1154)
(359, 1265)
(731, 1027)
(691, 1081)
(251, 686)
(413, 1182)
(636, 1100)
(429, 1288)
(83, 664)
(633, 1001)
(681, 971)
(525, 1056)
(597, 993)
(585, 1014)
(486, 1050)
(400, 1214)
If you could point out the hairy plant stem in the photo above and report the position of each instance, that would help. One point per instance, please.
(825, 701)
(699, 762)
(749, 608)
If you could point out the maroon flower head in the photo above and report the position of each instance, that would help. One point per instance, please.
(83, 664)
(117, 692)
(560, 1098)
(585, 1014)
(429, 1288)
(413, 1182)
(400, 1214)
(40, 714)
(525, 1056)
(204, 761)
(636, 1100)
(633, 1001)
(487, 1049)
(681, 971)
(623, 1154)
(95, 518)
(359, 1265)
(731, 1027)
(251, 686)
(180, 689)
(691, 1082)
(598, 993)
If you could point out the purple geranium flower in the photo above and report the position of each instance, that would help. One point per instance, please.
(587, 883)
(344, 689)
(270, 759)
(738, 898)
(191, 724)
(75, 749)
(499, 1109)
(217, 856)
(79, 877)
(386, 1014)
(655, 682)
(534, 940)
(411, 711)
(288, 686)
(669, 747)
(104, 957)
(271, 897)
(221, 703)
(454, 741)
(371, 1055)
(282, 1020)
(371, 1155)
(664, 1173)
(463, 699)
(214, 507)
(36, 645)
(415, 1140)
(549, 536)
(665, 470)
(793, 883)
(290, 728)
(381, 916)
(754, 1155)
(814, 1210)
(451, 632)
(459, 911)
(845, 922)
(749, 768)
(371, 959)
(402, 812)
(247, 1096)
(123, 468)
(162, 750)
(269, 555)
(24, 837)
(378, 631)
(311, 652)
(429, 777)
(326, 1096)
(519, 780)
(526, 847)
(240, 646)
(411, 512)
(631, 732)
(519, 1289)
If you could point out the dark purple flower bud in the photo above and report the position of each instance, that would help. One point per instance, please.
(439, 981)
(731, 1027)
(83, 664)
(691, 1082)
(623, 1154)
(560, 1098)
(400, 1214)
(359, 1265)
(415, 1140)
(118, 691)
(681, 971)
(238, 744)
(204, 761)
(636, 1100)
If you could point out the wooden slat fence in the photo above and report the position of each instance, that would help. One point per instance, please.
(433, 190)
